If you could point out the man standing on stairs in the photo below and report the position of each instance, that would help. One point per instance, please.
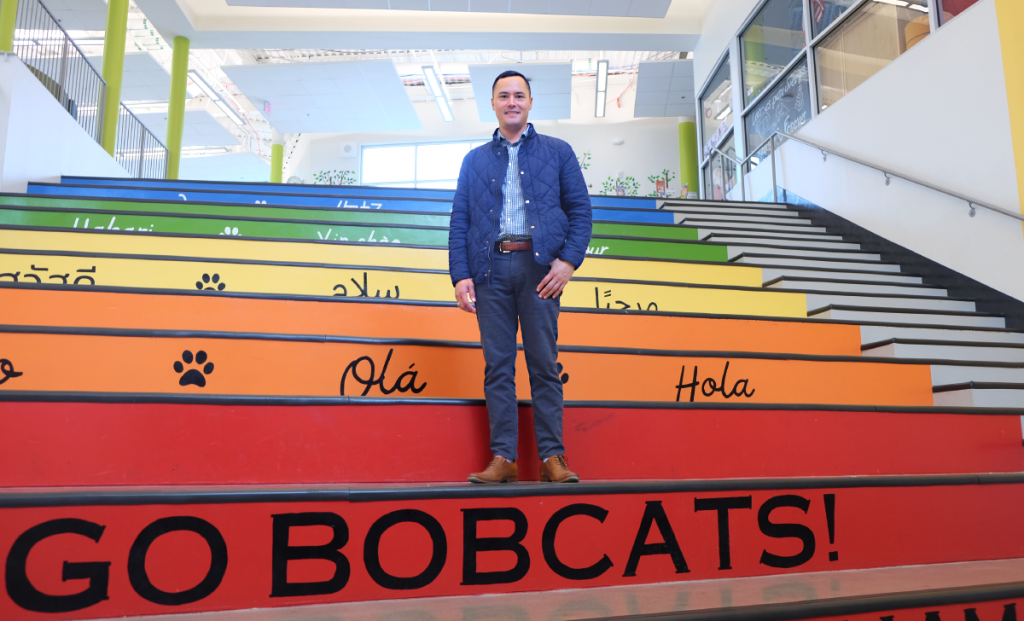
(520, 226)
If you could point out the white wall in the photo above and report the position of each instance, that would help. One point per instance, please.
(650, 145)
(40, 140)
(940, 114)
(721, 21)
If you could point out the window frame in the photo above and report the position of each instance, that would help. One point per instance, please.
(734, 50)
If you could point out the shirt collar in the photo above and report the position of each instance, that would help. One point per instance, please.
(503, 141)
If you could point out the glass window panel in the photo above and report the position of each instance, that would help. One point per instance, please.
(952, 8)
(389, 164)
(825, 12)
(785, 108)
(440, 161)
(708, 181)
(867, 41)
(717, 107)
(770, 43)
(729, 172)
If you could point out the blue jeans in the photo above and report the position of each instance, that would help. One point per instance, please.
(508, 301)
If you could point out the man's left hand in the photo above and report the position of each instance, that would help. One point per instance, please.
(557, 278)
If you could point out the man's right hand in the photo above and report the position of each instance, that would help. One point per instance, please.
(465, 295)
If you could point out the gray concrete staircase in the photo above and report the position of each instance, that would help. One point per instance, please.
(976, 361)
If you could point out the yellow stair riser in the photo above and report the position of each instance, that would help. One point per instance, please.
(377, 256)
(373, 283)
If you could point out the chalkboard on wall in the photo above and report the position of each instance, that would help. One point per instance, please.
(786, 108)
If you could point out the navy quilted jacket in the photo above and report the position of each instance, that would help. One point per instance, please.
(557, 205)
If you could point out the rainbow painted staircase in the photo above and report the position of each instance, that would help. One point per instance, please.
(228, 396)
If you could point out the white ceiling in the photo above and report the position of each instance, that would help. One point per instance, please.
(550, 85)
(144, 78)
(665, 88)
(215, 25)
(604, 8)
(328, 97)
(201, 129)
(79, 14)
(229, 167)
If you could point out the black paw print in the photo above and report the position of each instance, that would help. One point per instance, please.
(193, 377)
(210, 281)
(564, 376)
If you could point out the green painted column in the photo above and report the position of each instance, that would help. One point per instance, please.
(276, 163)
(689, 158)
(8, 17)
(113, 68)
(176, 106)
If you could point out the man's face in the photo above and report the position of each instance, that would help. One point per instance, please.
(511, 101)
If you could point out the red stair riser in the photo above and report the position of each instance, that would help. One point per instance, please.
(984, 611)
(58, 444)
(874, 527)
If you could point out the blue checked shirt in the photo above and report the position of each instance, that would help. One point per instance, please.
(513, 213)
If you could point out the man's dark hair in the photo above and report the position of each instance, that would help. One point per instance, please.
(511, 74)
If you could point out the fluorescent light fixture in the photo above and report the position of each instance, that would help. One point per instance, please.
(601, 101)
(724, 113)
(894, 2)
(201, 83)
(916, 7)
(231, 114)
(431, 79)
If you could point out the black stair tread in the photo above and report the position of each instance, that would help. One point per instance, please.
(908, 311)
(873, 295)
(905, 341)
(769, 213)
(850, 282)
(812, 268)
(373, 492)
(978, 385)
(795, 225)
(744, 229)
(786, 237)
(855, 282)
(678, 202)
(756, 255)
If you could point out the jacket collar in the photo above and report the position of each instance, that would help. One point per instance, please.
(500, 140)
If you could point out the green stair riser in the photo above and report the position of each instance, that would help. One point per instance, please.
(321, 215)
(302, 231)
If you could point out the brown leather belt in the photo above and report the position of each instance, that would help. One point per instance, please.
(511, 246)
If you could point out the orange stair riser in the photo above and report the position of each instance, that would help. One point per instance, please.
(102, 444)
(177, 312)
(183, 558)
(90, 363)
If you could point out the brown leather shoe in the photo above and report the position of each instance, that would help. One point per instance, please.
(500, 470)
(556, 470)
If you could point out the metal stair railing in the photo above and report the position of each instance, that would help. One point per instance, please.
(137, 150)
(826, 151)
(47, 51)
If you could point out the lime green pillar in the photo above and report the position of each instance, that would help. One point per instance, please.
(689, 159)
(176, 106)
(277, 157)
(276, 163)
(113, 68)
(8, 17)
